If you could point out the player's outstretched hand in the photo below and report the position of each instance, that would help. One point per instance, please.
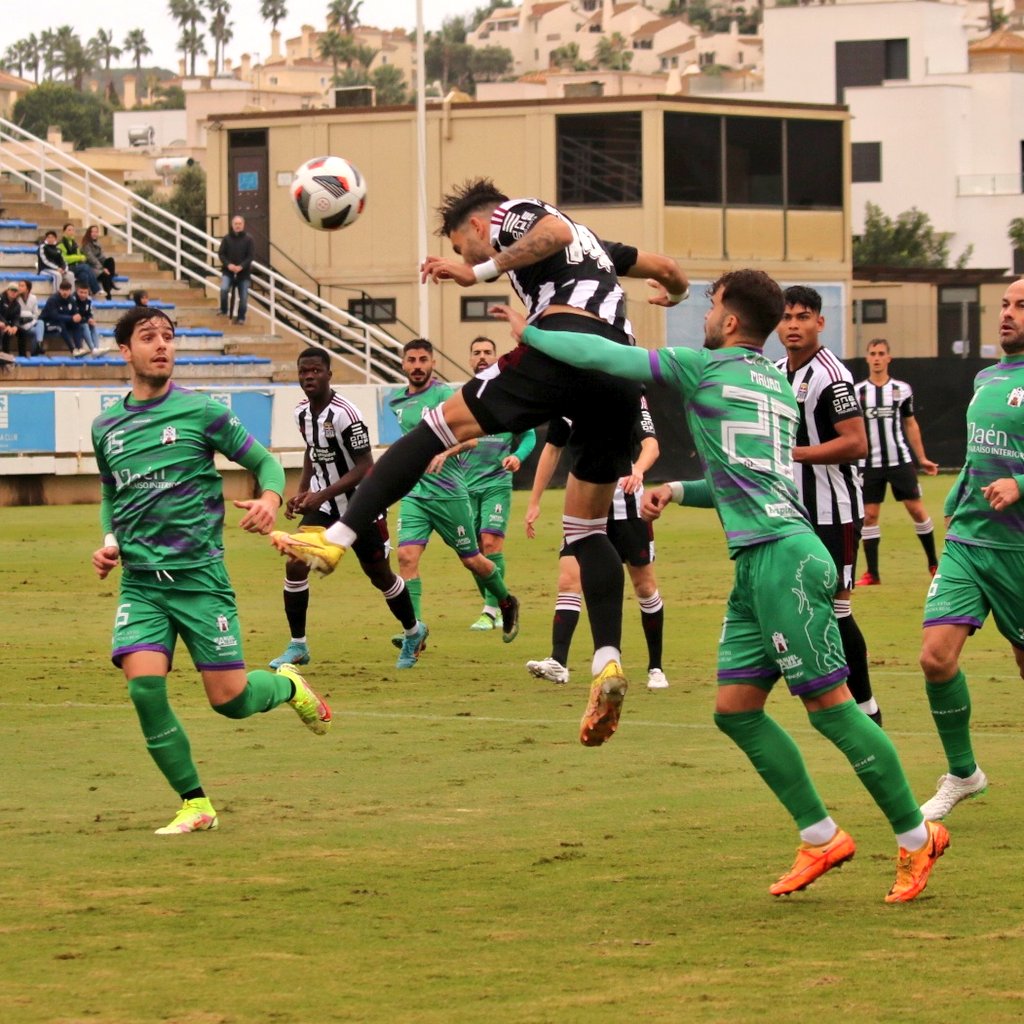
(511, 316)
(532, 514)
(930, 468)
(654, 502)
(440, 268)
(261, 512)
(104, 560)
(1002, 493)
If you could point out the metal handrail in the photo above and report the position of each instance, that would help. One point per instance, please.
(61, 180)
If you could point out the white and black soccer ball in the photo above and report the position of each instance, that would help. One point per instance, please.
(328, 193)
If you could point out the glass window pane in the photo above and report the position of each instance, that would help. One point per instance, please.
(814, 164)
(599, 159)
(753, 161)
(693, 158)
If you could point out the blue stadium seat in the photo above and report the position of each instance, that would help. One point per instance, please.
(20, 224)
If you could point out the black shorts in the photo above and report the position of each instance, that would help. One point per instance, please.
(633, 539)
(532, 388)
(842, 540)
(902, 480)
(370, 547)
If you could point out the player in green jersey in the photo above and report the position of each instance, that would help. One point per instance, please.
(162, 514)
(439, 501)
(981, 568)
(779, 619)
(489, 468)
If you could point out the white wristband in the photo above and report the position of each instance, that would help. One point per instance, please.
(487, 271)
(676, 487)
(110, 541)
(680, 296)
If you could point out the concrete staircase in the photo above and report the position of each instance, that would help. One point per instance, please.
(214, 342)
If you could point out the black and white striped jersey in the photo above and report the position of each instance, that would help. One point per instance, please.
(334, 439)
(624, 506)
(885, 407)
(824, 392)
(580, 275)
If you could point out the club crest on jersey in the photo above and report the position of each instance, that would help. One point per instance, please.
(801, 392)
(895, 392)
(328, 430)
(222, 623)
(779, 643)
(169, 436)
(1016, 397)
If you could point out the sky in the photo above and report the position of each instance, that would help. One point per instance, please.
(251, 33)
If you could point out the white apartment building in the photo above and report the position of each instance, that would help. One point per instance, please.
(937, 122)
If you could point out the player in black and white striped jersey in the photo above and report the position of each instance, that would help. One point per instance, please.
(338, 455)
(830, 440)
(892, 432)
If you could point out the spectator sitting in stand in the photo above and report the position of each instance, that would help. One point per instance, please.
(61, 315)
(30, 327)
(10, 315)
(83, 307)
(51, 260)
(102, 266)
(75, 259)
(140, 297)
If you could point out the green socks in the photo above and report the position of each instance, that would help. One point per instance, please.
(778, 761)
(263, 692)
(498, 558)
(874, 759)
(415, 588)
(951, 708)
(165, 737)
(494, 584)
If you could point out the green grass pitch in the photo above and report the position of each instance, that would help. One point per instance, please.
(450, 853)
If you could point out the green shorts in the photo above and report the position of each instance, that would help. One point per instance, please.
(452, 518)
(155, 608)
(491, 507)
(972, 581)
(780, 620)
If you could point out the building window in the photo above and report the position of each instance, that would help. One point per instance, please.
(870, 62)
(693, 159)
(475, 307)
(753, 161)
(814, 164)
(273, 79)
(599, 159)
(870, 311)
(374, 311)
(866, 161)
(706, 59)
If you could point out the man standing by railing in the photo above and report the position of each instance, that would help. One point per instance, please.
(237, 251)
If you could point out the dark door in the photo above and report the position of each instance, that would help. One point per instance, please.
(248, 187)
(959, 320)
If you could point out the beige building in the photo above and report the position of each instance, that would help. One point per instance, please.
(706, 181)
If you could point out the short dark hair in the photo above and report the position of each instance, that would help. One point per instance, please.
(64, 284)
(754, 297)
(418, 343)
(125, 326)
(46, 234)
(314, 353)
(465, 200)
(68, 225)
(138, 295)
(481, 339)
(803, 295)
(879, 341)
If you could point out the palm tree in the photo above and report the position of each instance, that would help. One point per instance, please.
(220, 28)
(102, 47)
(78, 62)
(335, 47)
(612, 53)
(568, 58)
(48, 51)
(30, 54)
(344, 14)
(135, 44)
(273, 11)
(64, 43)
(191, 45)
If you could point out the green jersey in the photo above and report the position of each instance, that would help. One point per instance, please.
(995, 449)
(483, 464)
(409, 408)
(162, 494)
(743, 417)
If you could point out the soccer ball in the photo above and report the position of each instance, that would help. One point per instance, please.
(328, 193)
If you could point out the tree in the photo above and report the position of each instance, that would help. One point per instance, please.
(191, 45)
(448, 55)
(1015, 232)
(335, 47)
(908, 241)
(363, 55)
(567, 58)
(64, 48)
(189, 16)
(135, 44)
(273, 11)
(490, 62)
(48, 51)
(30, 55)
(613, 53)
(84, 118)
(188, 198)
(389, 85)
(481, 14)
(343, 14)
(102, 47)
(168, 97)
(221, 30)
(78, 62)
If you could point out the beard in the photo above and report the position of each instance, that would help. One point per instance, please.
(1013, 345)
